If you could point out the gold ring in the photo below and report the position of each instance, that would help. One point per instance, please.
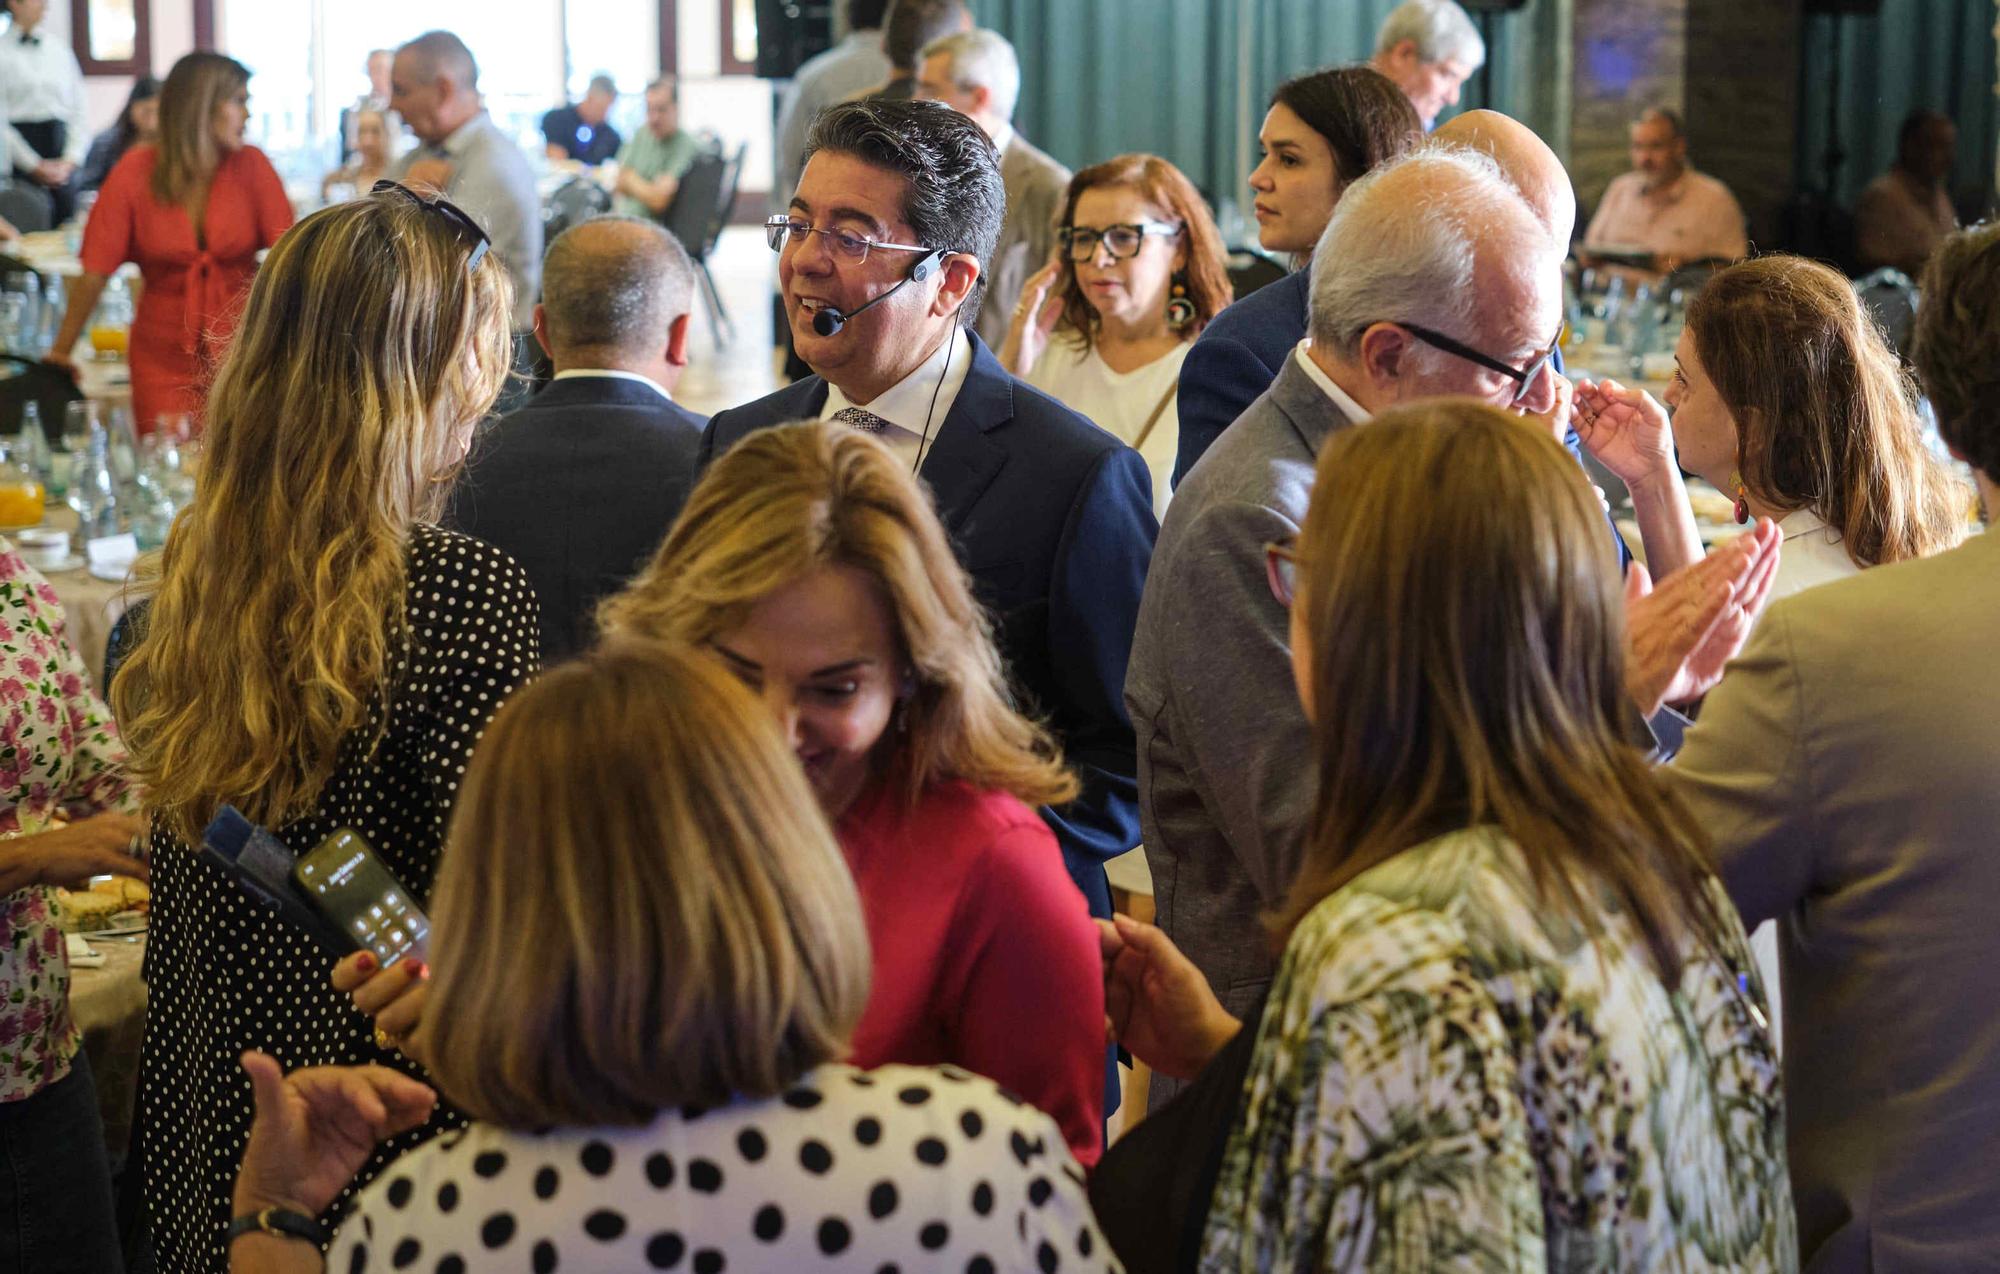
(384, 1041)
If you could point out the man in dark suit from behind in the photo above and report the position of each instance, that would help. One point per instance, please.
(580, 485)
(898, 209)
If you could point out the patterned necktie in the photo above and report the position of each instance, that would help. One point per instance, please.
(861, 418)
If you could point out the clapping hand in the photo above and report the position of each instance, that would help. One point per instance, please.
(1157, 1004)
(1679, 636)
(316, 1127)
(1035, 317)
(1626, 429)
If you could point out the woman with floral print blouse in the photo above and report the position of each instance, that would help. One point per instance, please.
(59, 757)
(1515, 1025)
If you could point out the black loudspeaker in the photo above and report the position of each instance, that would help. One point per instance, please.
(789, 32)
(1843, 6)
(1493, 6)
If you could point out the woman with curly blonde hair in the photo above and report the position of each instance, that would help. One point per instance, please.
(811, 565)
(314, 653)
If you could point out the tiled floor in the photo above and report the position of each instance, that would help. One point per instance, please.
(746, 274)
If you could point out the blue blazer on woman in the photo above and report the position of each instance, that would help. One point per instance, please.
(1053, 519)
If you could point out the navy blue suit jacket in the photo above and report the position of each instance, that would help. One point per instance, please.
(579, 486)
(1238, 355)
(1053, 519)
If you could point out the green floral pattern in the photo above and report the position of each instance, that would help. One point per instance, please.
(59, 753)
(1449, 1075)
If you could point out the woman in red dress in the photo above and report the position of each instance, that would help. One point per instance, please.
(193, 211)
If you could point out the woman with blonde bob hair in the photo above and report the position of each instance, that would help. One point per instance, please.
(809, 562)
(648, 960)
(314, 652)
(193, 210)
(1515, 1014)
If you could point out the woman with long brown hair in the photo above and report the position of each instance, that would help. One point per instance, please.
(314, 653)
(1787, 399)
(1515, 1021)
(193, 210)
(1104, 328)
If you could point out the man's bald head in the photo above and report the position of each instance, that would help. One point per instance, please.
(436, 53)
(1525, 158)
(611, 287)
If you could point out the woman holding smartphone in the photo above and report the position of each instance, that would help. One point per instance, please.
(315, 653)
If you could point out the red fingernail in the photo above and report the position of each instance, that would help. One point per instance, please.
(365, 962)
(420, 971)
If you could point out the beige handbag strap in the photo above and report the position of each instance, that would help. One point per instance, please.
(1159, 409)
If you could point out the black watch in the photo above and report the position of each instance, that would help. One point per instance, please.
(282, 1222)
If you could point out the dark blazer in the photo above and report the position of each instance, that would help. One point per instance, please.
(1053, 519)
(1238, 355)
(579, 486)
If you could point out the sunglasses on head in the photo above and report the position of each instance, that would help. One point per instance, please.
(459, 219)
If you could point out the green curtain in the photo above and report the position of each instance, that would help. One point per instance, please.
(1190, 79)
(1913, 53)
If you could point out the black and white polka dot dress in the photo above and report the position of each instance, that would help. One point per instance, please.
(224, 977)
(903, 1168)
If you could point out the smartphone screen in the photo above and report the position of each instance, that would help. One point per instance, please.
(350, 887)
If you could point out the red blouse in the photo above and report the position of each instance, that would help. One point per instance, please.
(194, 288)
(985, 956)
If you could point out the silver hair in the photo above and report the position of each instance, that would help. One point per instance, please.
(1390, 257)
(442, 52)
(607, 287)
(983, 59)
(1441, 29)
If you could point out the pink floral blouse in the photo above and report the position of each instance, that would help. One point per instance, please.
(59, 752)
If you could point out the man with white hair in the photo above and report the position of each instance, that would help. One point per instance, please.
(1429, 48)
(1434, 277)
(977, 74)
(434, 86)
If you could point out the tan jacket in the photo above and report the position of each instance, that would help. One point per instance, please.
(1848, 767)
(1035, 187)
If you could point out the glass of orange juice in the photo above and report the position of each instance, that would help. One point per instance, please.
(21, 496)
(109, 342)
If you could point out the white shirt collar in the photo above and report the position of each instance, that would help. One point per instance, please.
(1341, 398)
(916, 406)
(1003, 139)
(611, 373)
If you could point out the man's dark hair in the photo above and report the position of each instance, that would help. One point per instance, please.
(912, 24)
(1958, 344)
(866, 15)
(952, 196)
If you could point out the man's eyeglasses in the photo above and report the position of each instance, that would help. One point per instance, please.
(1079, 243)
(780, 230)
(1524, 378)
(1281, 571)
(451, 212)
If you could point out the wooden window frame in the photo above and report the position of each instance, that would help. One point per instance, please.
(731, 64)
(141, 61)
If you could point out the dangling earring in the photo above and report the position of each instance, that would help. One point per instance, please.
(1180, 310)
(1742, 500)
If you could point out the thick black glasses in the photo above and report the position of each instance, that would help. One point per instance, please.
(1080, 242)
(460, 220)
(780, 230)
(1524, 378)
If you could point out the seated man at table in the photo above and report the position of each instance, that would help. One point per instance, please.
(882, 263)
(651, 164)
(1906, 212)
(1663, 214)
(580, 485)
(582, 132)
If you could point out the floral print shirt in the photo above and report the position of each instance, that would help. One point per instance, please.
(1450, 1075)
(59, 753)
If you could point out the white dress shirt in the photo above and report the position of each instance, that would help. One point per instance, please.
(915, 407)
(1354, 411)
(41, 81)
(611, 373)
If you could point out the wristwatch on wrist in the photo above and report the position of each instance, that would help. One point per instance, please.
(283, 1222)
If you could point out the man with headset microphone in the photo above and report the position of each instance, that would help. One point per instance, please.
(882, 263)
